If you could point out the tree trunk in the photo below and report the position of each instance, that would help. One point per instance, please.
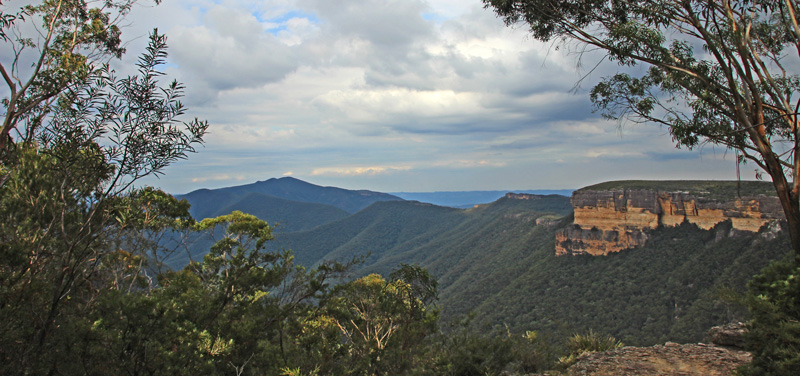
(790, 204)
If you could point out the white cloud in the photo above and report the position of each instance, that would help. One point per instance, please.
(467, 163)
(350, 171)
(217, 177)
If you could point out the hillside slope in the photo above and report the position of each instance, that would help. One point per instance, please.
(407, 231)
(468, 199)
(284, 215)
(668, 290)
(376, 231)
(498, 261)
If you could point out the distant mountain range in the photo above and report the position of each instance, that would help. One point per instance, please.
(498, 261)
(287, 203)
(292, 204)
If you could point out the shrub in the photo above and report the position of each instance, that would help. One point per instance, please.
(580, 344)
(773, 337)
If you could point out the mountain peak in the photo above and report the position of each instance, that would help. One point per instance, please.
(291, 188)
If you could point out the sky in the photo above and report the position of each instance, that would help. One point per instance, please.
(395, 95)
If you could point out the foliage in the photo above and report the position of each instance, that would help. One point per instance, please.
(72, 227)
(717, 72)
(73, 37)
(383, 322)
(580, 344)
(774, 332)
(229, 311)
(465, 351)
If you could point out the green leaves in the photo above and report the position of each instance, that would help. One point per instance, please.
(382, 322)
(72, 38)
(580, 344)
(74, 234)
(774, 332)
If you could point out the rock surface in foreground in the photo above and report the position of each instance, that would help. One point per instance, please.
(668, 359)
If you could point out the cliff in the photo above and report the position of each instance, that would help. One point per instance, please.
(614, 216)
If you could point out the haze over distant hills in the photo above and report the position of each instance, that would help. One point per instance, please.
(289, 188)
(292, 204)
(468, 199)
(287, 203)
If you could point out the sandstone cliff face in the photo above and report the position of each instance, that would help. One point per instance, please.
(609, 221)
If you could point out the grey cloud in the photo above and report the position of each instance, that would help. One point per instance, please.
(527, 143)
(677, 155)
(384, 23)
(233, 51)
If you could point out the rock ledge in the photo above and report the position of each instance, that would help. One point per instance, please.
(668, 359)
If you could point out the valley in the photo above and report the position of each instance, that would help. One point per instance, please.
(498, 262)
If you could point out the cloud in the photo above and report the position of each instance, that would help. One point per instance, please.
(466, 163)
(385, 24)
(351, 171)
(231, 49)
(394, 92)
(217, 177)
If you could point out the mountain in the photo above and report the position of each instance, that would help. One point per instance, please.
(377, 230)
(282, 214)
(288, 204)
(287, 188)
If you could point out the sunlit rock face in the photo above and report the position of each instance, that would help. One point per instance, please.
(608, 221)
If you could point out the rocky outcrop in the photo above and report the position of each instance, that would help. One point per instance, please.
(611, 220)
(731, 335)
(522, 196)
(668, 359)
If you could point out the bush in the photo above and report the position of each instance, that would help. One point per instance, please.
(580, 344)
(774, 331)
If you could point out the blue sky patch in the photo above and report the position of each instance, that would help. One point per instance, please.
(284, 18)
(435, 17)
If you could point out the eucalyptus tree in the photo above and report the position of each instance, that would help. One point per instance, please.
(719, 72)
(70, 213)
(51, 46)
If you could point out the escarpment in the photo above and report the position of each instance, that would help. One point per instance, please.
(614, 216)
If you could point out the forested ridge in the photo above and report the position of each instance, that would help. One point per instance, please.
(495, 262)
